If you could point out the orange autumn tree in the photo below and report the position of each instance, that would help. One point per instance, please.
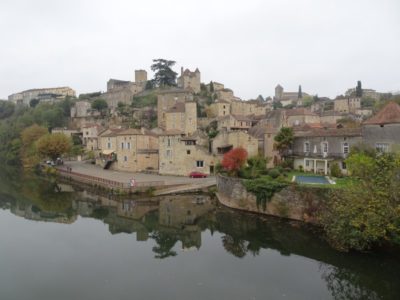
(234, 160)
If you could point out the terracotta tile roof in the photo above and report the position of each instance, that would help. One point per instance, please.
(390, 114)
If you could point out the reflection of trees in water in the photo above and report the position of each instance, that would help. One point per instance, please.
(235, 246)
(344, 284)
(165, 242)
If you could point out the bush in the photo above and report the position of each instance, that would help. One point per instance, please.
(335, 170)
(274, 173)
(301, 169)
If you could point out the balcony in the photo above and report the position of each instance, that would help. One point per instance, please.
(318, 154)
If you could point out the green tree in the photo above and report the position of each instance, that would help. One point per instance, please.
(149, 85)
(54, 145)
(211, 87)
(284, 140)
(164, 75)
(277, 105)
(34, 102)
(300, 93)
(367, 213)
(6, 109)
(359, 91)
(99, 104)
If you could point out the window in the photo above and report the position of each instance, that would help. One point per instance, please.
(382, 147)
(168, 153)
(122, 145)
(128, 146)
(125, 158)
(200, 163)
(324, 147)
(307, 163)
(344, 167)
(188, 152)
(346, 148)
(307, 147)
(169, 142)
(109, 145)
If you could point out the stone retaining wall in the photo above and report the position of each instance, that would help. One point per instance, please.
(293, 202)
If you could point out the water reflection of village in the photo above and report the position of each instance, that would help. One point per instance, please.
(181, 220)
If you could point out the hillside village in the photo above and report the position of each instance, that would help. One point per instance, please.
(139, 126)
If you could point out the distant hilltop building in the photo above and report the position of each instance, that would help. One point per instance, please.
(123, 91)
(287, 98)
(189, 80)
(42, 95)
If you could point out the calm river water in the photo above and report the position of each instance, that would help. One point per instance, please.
(78, 245)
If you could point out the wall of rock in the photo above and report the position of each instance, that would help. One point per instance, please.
(293, 202)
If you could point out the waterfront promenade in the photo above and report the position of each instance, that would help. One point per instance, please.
(121, 178)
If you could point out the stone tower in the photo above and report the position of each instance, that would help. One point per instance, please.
(140, 76)
(278, 91)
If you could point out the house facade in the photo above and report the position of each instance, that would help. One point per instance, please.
(181, 155)
(382, 131)
(315, 150)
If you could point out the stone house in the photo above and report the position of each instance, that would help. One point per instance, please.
(133, 150)
(382, 131)
(346, 105)
(168, 99)
(316, 149)
(270, 152)
(189, 80)
(181, 155)
(182, 117)
(90, 135)
(227, 140)
(251, 107)
(81, 109)
(300, 116)
(234, 122)
(331, 117)
(286, 98)
(220, 108)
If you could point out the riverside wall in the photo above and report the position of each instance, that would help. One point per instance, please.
(293, 202)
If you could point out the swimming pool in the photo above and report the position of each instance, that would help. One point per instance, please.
(311, 179)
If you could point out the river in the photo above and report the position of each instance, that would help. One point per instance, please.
(81, 245)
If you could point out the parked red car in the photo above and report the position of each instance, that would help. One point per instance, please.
(197, 175)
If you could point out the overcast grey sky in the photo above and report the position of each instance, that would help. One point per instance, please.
(250, 46)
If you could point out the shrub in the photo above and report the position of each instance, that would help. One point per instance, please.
(274, 173)
(301, 169)
(335, 170)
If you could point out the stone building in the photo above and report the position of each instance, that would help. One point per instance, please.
(226, 94)
(140, 76)
(315, 150)
(83, 109)
(300, 116)
(181, 155)
(287, 98)
(122, 91)
(190, 80)
(220, 108)
(382, 131)
(270, 152)
(234, 122)
(46, 94)
(182, 117)
(168, 101)
(216, 86)
(251, 107)
(133, 150)
(227, 140)
(347, 105)
(331, 117)
(90, 135)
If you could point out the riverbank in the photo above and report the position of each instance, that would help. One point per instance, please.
(300, 203)
(127, 182)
